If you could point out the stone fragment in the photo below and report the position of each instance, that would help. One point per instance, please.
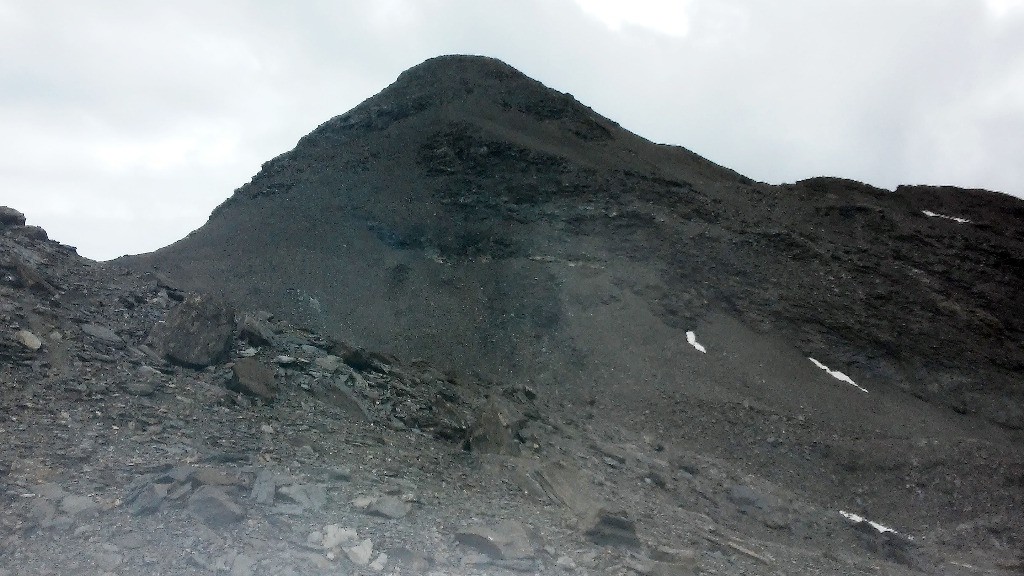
(558, 483)
(389, 507)
(495, 428)
(311, 496)
(11, 217)
(361, 553)
(196, 333)
(214, 507)
(249, 376)
(102, 333)
(379, 564)
(29, 340)
(507, 540)
(334, 535)
(74, 505)
(342, 398)
(148, 500)
(329, 363)
(255, 331)
(215, 477)
(611, 528)
(264, 488)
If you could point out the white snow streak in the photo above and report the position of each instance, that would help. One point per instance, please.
(838, 375)
(931, 214)
(692, 339)
(856, 519)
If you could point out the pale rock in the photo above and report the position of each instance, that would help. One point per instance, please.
(28, 340)
(334, 536)
(361, 553)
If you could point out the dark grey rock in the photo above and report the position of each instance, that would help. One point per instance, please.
(33, 232)
(611, 528)
(102, 333)
(11, 217)
(255, 330)
(196, 333)
(214, 507)
(341, 397)
(249, 376)
(495, 428)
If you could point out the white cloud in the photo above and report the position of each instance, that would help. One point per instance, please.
(669, 17)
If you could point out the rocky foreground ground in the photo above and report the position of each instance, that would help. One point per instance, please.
(152, 431)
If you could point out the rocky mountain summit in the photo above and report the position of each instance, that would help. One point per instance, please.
(474, 327)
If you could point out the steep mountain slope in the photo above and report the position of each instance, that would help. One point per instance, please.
(470, 216)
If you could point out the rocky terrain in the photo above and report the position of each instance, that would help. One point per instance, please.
(150, 430)
(473, 327)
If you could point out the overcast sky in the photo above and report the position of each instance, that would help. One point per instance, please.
(124, 123)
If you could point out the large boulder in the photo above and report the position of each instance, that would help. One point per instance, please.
(196, 333)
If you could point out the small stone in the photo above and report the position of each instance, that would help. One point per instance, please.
(312, 496)
(140, 387)
(285, 360)
(28, 340)
(248, 352)
(102, 333)
(148, 500)
(251, 377)
(334, 536)
(329, 363)
(379, 564)
(495, 428)
(565, 563)
(611, 527)
(214, 507)
(255, 330)
(267, 429)
(363, 502)
(507, 540)
(264, 488)
(74, 505)
(389, 507)
(361, 553)
(214, 477)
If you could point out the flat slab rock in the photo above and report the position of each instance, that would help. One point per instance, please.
(506, 540)
(250, 376)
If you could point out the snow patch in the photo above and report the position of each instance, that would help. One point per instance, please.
(931, 214)
(857, 519)
(838, 375)
(692, 339)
